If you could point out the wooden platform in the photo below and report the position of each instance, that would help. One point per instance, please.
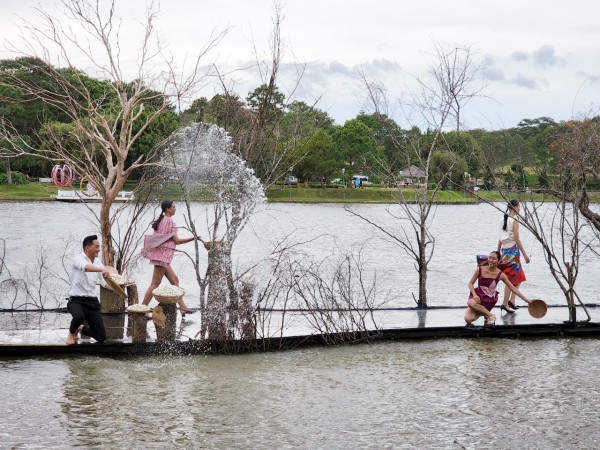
(193, 347)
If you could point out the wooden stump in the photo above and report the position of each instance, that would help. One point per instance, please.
(165, 328)
(139, 327)
(114, 324)
(132, 294)
(111, 303)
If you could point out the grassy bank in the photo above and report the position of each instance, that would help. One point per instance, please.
(33, 191)
(295, 194)
(351, 195)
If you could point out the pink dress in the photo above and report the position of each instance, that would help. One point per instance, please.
(159, 247)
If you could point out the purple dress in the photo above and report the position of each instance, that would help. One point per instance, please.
(486, 290)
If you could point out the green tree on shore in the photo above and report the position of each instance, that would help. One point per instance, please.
(107, 118)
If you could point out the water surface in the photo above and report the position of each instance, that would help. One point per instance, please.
(461, 232)
(484, 393)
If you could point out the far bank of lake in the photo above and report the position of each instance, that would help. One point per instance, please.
(289, 193)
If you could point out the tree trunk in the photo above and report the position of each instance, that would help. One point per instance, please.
(570, 298)
(422, 269)
(218, 293)
(108, 251)
(9, 180)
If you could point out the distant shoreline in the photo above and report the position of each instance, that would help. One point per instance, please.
(43, 192)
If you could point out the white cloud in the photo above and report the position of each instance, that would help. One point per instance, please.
(545, 56)
(520, 56)
(526, 82)
(387, 39)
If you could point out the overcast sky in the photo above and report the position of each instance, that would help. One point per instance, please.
(542, 58)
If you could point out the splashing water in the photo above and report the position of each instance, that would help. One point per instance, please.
(201, 155)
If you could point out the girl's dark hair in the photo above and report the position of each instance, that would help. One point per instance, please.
(511, 205)
(497, 254)
(166, 204)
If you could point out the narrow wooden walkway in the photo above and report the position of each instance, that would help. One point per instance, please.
(26, 334)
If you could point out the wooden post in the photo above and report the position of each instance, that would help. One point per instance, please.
(114, 324)
(132, 294)
(166, 328)
(139, 325)
(111, 303)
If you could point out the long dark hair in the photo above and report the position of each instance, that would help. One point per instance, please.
(511, 205)
(166, 204)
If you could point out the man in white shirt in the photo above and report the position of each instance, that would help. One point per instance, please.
(86, 272)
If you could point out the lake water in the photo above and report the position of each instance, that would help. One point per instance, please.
(473, 394)
(446, 393)
(325, 230)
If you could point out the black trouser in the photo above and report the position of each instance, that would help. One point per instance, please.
(86, 309)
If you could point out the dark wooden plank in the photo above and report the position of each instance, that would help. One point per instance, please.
(114, 348)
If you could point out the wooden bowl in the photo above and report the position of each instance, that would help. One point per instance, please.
(537, 308)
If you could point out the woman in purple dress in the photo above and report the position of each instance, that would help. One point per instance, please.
(484, 297)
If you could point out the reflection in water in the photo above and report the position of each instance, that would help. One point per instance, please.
(507, 318)
(464, 393)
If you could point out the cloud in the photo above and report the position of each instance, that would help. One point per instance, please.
(335, 67)
(494, 74)
(384, 65)
(526, 82)
(519, 56)
(545, 56)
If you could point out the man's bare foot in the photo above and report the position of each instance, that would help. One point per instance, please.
(71, 339)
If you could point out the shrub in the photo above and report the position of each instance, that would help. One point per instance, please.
(17, 178)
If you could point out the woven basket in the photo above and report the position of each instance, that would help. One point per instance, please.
(138, 309)
(167, 299)
(537, 308)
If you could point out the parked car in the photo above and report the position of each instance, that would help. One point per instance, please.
(292, 179)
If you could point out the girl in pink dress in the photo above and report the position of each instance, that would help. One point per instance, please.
(159, 248)
(484, 297)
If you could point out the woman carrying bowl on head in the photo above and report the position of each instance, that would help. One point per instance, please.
(159, 248)
(484, 297)
(511, 248)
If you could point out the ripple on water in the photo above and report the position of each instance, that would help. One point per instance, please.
(483, 393)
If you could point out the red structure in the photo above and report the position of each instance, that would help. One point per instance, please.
(62, 176)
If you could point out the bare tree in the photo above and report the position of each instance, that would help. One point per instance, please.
(37, 287)
(439, 104)
(107, 117)
(267, 131)
(335, 296)
(578, 149)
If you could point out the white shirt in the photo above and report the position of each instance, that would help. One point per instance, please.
(507, 237)
(83, 284)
